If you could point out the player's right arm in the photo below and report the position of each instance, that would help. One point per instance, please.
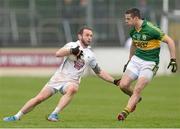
(64, 51)
(132, 50)
(69, 49)
(171, 46)
(131, 53)
(102, 73)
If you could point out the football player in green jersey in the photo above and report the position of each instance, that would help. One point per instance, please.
(143, 58)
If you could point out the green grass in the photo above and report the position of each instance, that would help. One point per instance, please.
(95, 105)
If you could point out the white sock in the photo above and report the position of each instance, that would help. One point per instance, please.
(19, 115)
(56, 110)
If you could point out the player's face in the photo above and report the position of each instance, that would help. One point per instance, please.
(129, 20)
(86, 37)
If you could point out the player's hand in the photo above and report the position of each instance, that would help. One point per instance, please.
(125, 66)
(117, 81)
(80, 54)
(173, 65)
(77, 52)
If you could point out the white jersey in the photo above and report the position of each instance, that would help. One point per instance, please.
(72, 69)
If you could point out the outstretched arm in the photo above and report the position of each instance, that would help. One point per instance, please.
(105, 76)
(172, 50)
(171, 46)
(132, 50)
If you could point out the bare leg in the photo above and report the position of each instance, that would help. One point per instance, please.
(141, 83)
(44, 94)
(134, 99)
(66, 98)
(125, 85)
(63, 102)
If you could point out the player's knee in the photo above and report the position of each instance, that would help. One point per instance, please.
(124, 85)
(72, 90)
(137, 91)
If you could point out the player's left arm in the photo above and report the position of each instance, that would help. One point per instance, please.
(160, 35)
(172, 50)
(104, 75)
(171, 46)
(63, 52)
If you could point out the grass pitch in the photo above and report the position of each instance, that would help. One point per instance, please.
(96, 105)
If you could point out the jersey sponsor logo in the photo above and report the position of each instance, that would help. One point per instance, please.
(147, 45)
(140, 44)
(78, 64)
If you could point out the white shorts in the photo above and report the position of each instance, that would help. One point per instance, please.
(60, 86)
(138, 67)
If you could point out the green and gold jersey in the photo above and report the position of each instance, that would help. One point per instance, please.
(147, 40)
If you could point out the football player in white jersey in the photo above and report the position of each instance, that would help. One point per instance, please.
(76, 57)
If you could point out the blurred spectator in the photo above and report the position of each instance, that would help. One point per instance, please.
(67, 16)
(100, 14)
(74, 16)
(144, 8)
(81, 12)
(67, 10)
(82, 8)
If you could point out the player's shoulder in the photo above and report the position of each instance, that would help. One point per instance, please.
(91, 53)
(90, 50)
(153, 26)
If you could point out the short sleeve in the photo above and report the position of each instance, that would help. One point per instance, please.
(93, 63)
(156, 32)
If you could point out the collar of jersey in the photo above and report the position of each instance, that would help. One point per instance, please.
(143, 24)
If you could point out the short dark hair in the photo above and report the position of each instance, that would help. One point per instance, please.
(83, 28)
(134, 12)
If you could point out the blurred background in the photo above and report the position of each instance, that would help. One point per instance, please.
(32, 30)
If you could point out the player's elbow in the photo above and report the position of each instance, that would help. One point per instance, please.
(100, 74)
(58, 54)
(168, 40)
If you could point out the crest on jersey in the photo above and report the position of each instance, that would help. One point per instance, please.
(78, 64)
(143, 37)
